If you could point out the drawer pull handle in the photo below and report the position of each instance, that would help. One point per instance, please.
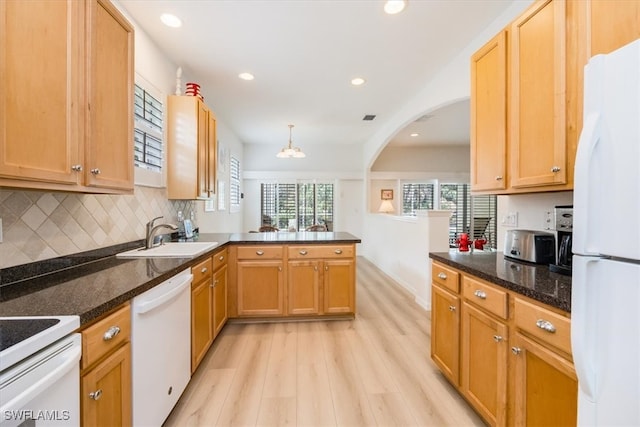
(516, 350)
(545, 325)
(555, 169)
(442, 276)
(221, 258)
(498, 178)
(204, 270)
(76, 168)
(497, 338)
(111, 333)
(302, 252)
(259, 252)
(338, 251)
(95, 171)
(96, 395)
(480, 294)
(452, 308)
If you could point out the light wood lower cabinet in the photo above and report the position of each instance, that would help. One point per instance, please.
(304, 285)
(508, 355)
(261, 288)
(201, 312)
(546, 386)
(445, 332)
(339, 286)
(106, 371)
(219, 299)
(484, 363)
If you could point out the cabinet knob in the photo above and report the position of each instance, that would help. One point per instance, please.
(96, 395)
(338, 251)
(204, 270)
(221, 258)
(326, 268)
(76, 168)
(545, 325)
(499, 178)
(480, 294)
(214, 283)
(555, 169)
(279, 268)
(259, 252)
(302, 252)
(95, 171)
(516, 350)
(452, 308)
(315, 268)
(497, 338)
(442, 276)
(111, 333)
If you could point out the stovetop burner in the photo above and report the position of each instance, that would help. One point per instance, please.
(13, 331)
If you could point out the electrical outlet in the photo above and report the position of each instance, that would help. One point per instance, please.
(510, 219)
(548, 221)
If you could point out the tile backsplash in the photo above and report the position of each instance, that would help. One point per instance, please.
(39, 225)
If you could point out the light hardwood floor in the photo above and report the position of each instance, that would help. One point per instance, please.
(373, 370)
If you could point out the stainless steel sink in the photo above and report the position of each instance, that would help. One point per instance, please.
(171, 250)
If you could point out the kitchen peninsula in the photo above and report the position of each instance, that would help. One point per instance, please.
(100, 282)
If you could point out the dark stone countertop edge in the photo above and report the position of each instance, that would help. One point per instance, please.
(559, 303)
(94, 264)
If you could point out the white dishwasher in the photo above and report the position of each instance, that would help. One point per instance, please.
(161, 348)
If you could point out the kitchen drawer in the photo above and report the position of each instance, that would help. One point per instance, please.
(446, 277)
(202, 271)
(546, 325)
(321, 251)
(220, 258)
(105, 336)
(486, 296)
(260, 252)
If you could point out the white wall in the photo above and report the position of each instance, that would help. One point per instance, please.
(400, 246)
(334, 158)
(531, 210)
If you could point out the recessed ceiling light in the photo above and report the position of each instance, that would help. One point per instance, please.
(415, 134)
(170, 20)
(358, 81)
(394, 6)
(246, 76)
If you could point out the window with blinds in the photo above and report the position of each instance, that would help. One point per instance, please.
(476, 215)
(148, 125)
(297, 205)
(234, 185)
(416, 197)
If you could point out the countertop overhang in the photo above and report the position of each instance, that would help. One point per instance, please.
(532, 280)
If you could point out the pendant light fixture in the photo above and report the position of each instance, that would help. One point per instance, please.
(289, 150)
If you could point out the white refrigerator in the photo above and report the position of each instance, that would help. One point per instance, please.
(605, 307)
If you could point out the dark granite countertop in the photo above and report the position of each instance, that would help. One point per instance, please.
(533, 281)
(102, 282)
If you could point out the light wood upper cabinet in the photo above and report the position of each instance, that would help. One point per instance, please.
(538, 96)
(66, 69)
(109, 143)
(489, 115)
(614, 23)
(191, 147)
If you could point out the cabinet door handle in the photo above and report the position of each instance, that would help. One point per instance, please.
(302, 252)
(545, 325)
(326, 268)
(480, 294)
(204, 270)
(96, 395)
(516, 350)
(279, 268)
(95, 171)
(498, 178)
(76, 168)
(111, 333)
(213, 285)
(555, 169)
(338, 251)
(442, 276)
(497, 338)
(452, 308)
(315, 268)
(259, 252)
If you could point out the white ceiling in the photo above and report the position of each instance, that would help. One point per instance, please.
(304, 53)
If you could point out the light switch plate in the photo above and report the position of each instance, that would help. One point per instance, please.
(510, 219)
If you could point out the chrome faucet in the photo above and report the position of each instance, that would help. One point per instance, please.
(148, 241)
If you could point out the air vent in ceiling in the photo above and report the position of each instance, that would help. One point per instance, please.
(369, 117)
(424, 118)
